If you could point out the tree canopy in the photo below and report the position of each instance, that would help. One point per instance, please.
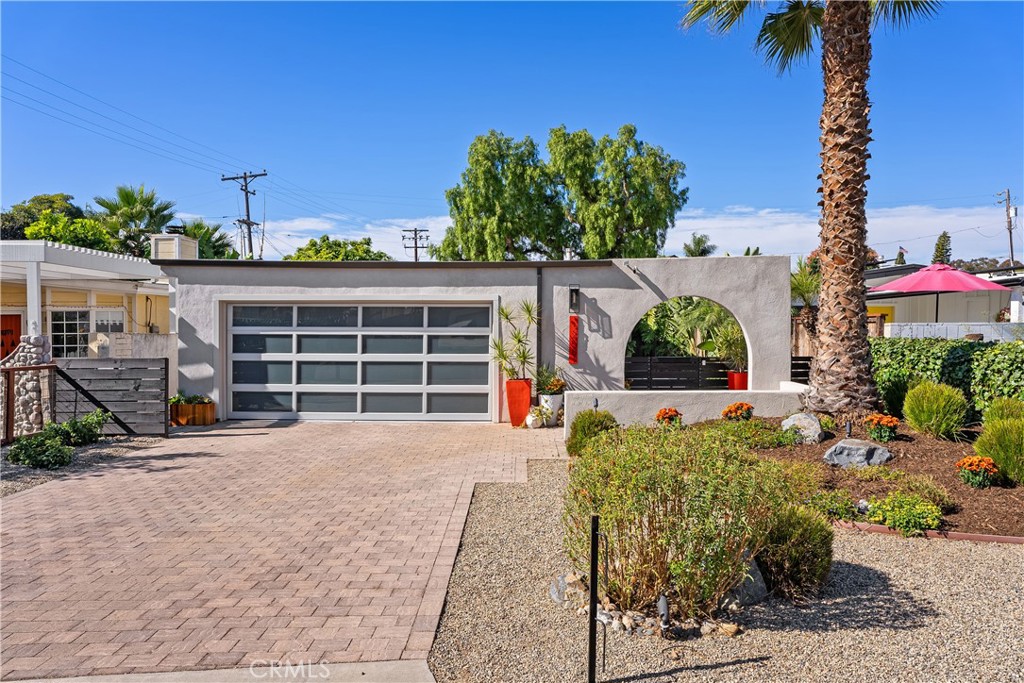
(132, 215)
(700, 246)
(23, 214)
(943, 249)
(327, 249)
(78, 232)
(611, 197)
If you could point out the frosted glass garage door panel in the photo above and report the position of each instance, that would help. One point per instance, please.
(327, 372)
(459, 316)
(328, 316)
(392, 403)
(457, 344)
(261, 372)
(261, 402)
(392, 316)
(261, 343)
(261, 316)
(384, 373)
(328, 343)
(395, 343)
(457, 373)
(465, 404)
(314, 402)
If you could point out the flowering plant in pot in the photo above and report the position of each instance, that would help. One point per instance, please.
(550, 387)
(192, 409)
(727, 342)
(515, 358)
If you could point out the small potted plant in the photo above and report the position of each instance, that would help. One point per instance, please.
(193, 409)
(738, 411)
(977, 472)
(539, 416)
(515, 358)
(881, 427)
(550, 387)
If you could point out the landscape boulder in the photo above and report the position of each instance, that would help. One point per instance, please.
(750, 592)
(857, 453)
(807, 424)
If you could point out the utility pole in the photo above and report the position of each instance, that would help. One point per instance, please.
(247, 222)
(1009, 226)
(416, 240)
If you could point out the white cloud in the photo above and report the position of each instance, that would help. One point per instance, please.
(976, 231)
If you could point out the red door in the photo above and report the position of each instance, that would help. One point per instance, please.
(10, 334)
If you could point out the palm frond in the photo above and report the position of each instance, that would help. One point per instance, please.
(720, 15)
(788, 36)
(900, 13)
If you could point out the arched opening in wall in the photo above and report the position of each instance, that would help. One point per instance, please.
(687, 343)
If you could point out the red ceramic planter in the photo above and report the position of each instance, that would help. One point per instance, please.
(517, 392)
(737, 380)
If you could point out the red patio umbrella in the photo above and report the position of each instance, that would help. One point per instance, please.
(936, 279)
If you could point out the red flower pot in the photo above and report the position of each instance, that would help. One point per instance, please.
(737, 380)
(517, 392)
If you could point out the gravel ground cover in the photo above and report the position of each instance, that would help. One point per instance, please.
(15, 478)
(893, 610)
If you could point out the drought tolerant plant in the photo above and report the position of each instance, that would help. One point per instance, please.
(515, 357)
(1004, 408)
(908, 513)
(881, 427)
(977, 472)
(669, 417)
(81, 431)
(548, 381)
(41, 452)
(754, 433)
(936, 409)
(834, 504)
(1003, 442)
(181, 398)
(797, 553)
(738, 411)
(682, 511)
(918, 484)
(585, 426)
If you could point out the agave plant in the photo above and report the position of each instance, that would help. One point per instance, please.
(514, 354)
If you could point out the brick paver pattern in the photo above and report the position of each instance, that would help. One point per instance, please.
(305, 542)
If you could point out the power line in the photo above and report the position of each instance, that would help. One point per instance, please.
(246, 192)
(415, 239)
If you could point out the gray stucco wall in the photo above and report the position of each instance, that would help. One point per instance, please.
(614, 296)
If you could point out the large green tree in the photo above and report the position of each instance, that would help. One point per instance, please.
(943, 249)
(212, 243)
(327, 249)
(132, 215)
(78, 232)
(23, 214)
(841, 372)
(612, 197)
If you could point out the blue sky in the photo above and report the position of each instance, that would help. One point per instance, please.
(363, 113)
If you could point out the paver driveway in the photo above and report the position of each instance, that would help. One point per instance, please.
(307, 542)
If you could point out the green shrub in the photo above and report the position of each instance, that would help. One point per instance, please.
(79, 432)
(897, 363)
(754, 433)
(834, 504)
(908, 513)
(797, 553)
(998, 371)
(585, 426)
(40, 452)
(828, 423)
(927, 488)
(936, 409)
(1003, 441)
(1004, 408)
(681, 510)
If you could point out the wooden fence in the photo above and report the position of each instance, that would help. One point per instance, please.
(132, 390)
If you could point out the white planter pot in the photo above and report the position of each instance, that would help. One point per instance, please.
(533, 422)
(553, 403)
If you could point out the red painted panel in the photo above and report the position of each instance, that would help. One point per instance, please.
(574, 339)
(10, 334)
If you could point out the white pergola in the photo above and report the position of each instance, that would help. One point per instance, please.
(38, 262)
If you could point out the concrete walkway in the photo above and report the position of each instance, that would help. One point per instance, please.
(248, 544)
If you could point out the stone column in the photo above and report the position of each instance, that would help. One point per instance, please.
(29, 392)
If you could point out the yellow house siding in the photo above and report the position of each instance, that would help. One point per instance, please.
(12, 295)
(62, 298)
(109, 300)
(159, 313)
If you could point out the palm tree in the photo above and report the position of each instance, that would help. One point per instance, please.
(804, 286)
(699, 246)
(213, 244)
(841, 372)
(132, 215)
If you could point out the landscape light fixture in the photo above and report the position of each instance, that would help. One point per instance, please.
(574, 298)
(849, 428)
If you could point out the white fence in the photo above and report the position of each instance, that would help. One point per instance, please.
(989, 331)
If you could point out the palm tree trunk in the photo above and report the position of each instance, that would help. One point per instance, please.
(841, 379)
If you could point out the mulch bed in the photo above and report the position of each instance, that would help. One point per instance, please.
(995, 510)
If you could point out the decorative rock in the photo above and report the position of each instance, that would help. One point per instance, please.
(605, 617)
(729, 629)
(752, 591)
(708, 627)
(863, 506)
(628, 622)
(558, 589)
(857, 453)
(808, 426)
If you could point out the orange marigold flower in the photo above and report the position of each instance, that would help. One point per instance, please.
(667, 415)
(880, 420)
(975, 463)
(738, 411)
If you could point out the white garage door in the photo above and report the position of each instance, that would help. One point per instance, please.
(360, 361)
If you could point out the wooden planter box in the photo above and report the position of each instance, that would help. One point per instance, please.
(196, 414)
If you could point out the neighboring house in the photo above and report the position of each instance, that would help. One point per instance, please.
(90, 303)
(954, 307)
(410, 341)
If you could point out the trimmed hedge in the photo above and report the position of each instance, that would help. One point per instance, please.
(981, 370)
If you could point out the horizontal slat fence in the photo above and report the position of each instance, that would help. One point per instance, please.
(800, 369)
(668, 373)
(133, 390)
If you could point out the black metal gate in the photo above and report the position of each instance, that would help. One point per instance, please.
(132, 390)
(668, 373)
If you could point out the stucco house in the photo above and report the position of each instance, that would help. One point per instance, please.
(409, 341)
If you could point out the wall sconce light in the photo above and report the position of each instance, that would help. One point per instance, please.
(574, 298)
